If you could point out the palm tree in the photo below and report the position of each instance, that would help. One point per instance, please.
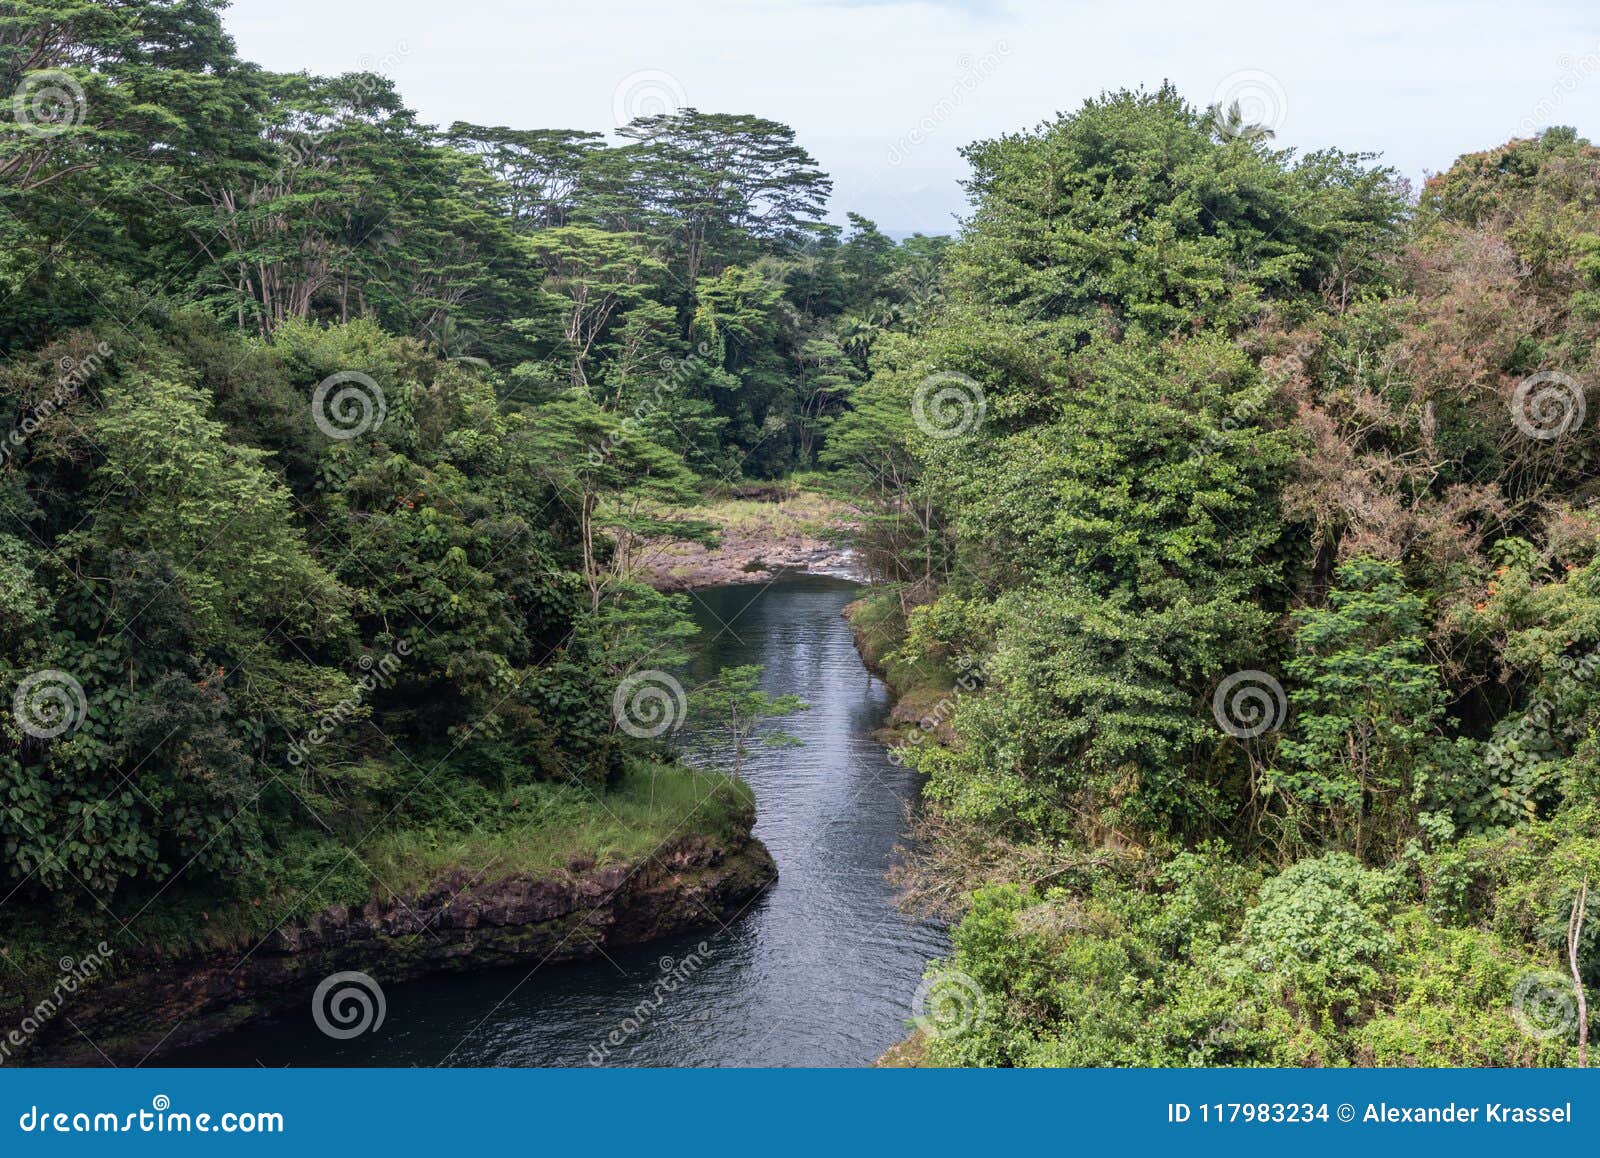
(1231, 125)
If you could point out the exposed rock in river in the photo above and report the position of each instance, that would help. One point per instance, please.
(756, 541)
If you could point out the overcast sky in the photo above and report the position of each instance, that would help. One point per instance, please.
(884, 92)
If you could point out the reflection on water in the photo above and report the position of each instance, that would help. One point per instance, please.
(820, 971)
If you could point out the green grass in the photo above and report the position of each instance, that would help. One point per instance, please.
(801, 512)
(920, 689)
(880, 635)
(539, 829)
(790, 511)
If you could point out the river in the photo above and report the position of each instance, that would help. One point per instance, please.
(820, 971)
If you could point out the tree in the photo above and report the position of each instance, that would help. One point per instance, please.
(172, 483)
(725, 184)
(590, 277)
(1131, 211)
(1229, 125)
(732, 708)
(350, 211)
(1366, 756)
(93, 85)
(616, 479)
(539, 173)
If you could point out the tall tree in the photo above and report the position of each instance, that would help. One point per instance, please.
(727, 184)
(539, 173)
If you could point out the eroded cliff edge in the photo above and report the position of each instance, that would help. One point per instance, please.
(149, 1003)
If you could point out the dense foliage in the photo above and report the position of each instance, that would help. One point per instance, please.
(1235, 505)
(1257, 523)
(327, 434)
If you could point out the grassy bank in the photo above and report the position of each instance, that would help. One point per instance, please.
(922, 686)
(537, 829)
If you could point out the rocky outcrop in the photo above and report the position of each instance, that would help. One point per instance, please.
(778, 537)
(681, 566)
(155, 1002)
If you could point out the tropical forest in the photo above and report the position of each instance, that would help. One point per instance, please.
(1172, 592)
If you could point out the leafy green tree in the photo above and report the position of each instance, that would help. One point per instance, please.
(1130, 211)
(172, 483)
(615, 479)
(591, 277)
(726, 185)
(540, 173)
(732, 708)
(1366, 758)
(146, 82)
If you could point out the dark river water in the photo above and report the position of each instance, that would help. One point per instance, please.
(820, 971)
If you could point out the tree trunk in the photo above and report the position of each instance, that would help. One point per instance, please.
(1580, 905)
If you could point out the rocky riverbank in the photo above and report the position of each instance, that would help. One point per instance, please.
(922, 696)
(920, 707)
(150, 1003)
(757, 538)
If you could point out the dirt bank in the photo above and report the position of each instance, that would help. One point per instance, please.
(149, 1003)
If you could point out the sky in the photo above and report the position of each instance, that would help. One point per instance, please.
(884, 93)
